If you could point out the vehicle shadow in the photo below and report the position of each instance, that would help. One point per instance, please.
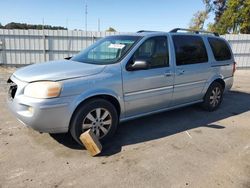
(67, 140)
(168, 123)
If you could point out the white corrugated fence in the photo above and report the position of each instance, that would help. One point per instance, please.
(241, 48)
(35, 46)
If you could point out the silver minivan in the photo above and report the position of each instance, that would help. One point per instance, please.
(120, 78)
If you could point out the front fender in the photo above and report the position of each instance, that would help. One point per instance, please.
(96, 92)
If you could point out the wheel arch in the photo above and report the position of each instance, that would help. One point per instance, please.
(110, 98)
(113, 100)
(218, 79)
(206, 104)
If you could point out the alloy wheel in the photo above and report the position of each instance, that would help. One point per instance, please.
(99, 121)
(215, 97)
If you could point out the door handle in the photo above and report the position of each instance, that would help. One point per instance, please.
(180, 72)
(168, 74)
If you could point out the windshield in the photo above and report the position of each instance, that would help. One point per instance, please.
(106, 51)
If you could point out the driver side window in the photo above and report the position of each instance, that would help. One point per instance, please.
(154, 51)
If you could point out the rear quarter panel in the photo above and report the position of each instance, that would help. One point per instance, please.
(219, 69)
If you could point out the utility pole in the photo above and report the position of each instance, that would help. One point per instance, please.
(99, 25)
(44, 43)
(69, 42)
(86, 16)
(43, 25)
(86, 23)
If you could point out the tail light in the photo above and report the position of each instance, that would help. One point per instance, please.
(234, 68)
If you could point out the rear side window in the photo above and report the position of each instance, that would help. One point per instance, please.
(189, 50)
(220, 49)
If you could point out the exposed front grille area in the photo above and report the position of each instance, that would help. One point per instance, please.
(12, 89)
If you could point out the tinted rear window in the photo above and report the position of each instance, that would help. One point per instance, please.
(189, 50)
(220, 49)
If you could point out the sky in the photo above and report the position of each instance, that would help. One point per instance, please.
(123, 15)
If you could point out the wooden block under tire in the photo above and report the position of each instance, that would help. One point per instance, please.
(91, 142)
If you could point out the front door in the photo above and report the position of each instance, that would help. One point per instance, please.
(151, 89)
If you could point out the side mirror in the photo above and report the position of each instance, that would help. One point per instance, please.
(138, 65)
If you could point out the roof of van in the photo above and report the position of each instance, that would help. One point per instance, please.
(175, 31)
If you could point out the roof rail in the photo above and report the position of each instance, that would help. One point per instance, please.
(194, 31)
(141, 31)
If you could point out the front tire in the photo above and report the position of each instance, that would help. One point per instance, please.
(213, 97)
(98, 115)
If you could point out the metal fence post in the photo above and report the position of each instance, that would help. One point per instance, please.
(44, 46)
(1, 51)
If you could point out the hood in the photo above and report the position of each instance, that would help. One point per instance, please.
(57, 70)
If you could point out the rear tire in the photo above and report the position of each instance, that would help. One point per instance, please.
(98, 115)
(213, 97)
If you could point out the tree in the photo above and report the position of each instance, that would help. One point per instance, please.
(245, 14)
(1, 26)
(235, 18)
(216, 6)
(198, 20)
(231, 16)
(110, 29)
(211, 27)
(14, 25)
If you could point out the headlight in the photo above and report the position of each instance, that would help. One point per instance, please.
(43, 90)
